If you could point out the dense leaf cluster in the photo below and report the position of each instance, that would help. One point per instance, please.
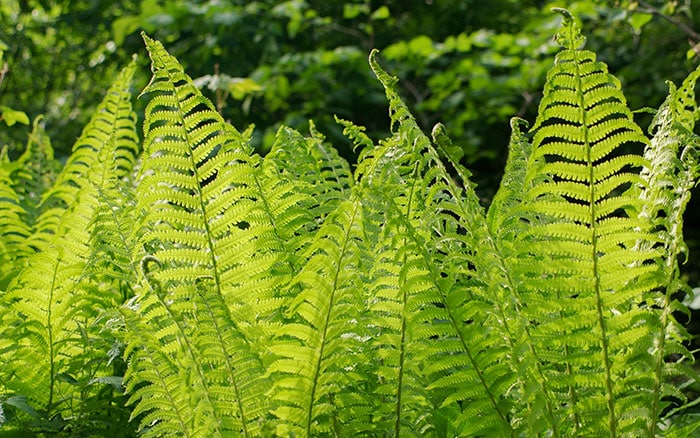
(184, 285)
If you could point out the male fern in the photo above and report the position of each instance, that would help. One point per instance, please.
(290, 295)
(51, 330)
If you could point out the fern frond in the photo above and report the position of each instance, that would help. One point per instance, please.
(162, 404)
(34, 171)
(576, 258)
(46, 307)
(108, 141)
(314, 166)
(671, 174)
(114, 252)
(172, 354)
(320, 356)
(14, 231)
(293, 204)
(509, 194)
(25, 181)
(427, 304)
(218, 226)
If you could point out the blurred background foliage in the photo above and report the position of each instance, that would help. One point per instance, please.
(471, 64)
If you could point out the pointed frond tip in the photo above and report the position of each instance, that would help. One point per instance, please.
(386, 79)
(159, 59)
(150, 42)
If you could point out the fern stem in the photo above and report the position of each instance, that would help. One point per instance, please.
(402, 353)
(49, 329)
(404, 307)
(572, 393)
(610, 397)
(604, 345)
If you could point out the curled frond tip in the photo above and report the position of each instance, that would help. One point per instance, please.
(569, 36)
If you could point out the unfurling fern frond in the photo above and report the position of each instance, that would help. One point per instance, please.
(48, 309)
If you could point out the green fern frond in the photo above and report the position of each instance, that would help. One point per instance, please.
(24, 182)
(159, 363)
(671, 174)
(114, 252)
(313, 165)
(577, 260)
(303, 181)
(509, 193)
(14, 231)
(34, 171)
(108, 141)
(407, 336)
(45, 307)
(437, 229)
(319, 356)
(217, 226)
(162, 406)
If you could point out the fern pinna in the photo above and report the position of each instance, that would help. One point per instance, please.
(290, 295)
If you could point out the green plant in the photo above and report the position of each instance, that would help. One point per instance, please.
(290, 296)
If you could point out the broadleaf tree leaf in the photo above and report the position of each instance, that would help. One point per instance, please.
(12, 116)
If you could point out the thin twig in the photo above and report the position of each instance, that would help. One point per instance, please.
(684, 27)
(347, 30)
(3, 72)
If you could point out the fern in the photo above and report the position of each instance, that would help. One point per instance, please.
(315, 167)
(671, 174)
(47, 311)
(576, 222)
(34, 172)
(416, 295)
(24, 182)
(14, 231)
(290, 295)
(318, 384)
(217, 227)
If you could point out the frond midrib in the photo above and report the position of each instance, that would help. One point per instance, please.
(607, 363)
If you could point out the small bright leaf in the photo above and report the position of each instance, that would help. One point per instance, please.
(12, 116)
